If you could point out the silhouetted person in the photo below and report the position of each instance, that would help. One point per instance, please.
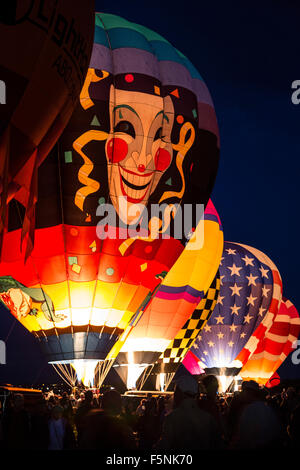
(51, 402)
(161, 412)
(148, 426)
(106, 429)
(17, 425)
(187, 427)
(255, 424)
(290, 401)
(130, 414)
(210, 403)
(66, 404)
(61, 435)
(83, 409)
(141, 408)
(39, 426)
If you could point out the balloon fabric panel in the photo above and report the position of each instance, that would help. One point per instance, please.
(276, 345)
(53, 44)
(268, 319)
(184, 340)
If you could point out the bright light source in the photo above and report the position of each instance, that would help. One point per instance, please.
(85, 370)
(133, 371)
(162, 381)
(224, 381)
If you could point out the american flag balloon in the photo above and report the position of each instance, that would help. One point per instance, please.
(245, 297)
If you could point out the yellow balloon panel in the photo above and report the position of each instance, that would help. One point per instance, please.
(59, 293)
(105, 294)
(82, 294)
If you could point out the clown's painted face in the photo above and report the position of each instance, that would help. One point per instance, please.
(138, 148)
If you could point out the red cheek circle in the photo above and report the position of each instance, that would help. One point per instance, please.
(162, 159)
(117, 150)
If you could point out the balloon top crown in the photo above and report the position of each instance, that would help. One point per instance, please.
(123, 33)
(136, 50)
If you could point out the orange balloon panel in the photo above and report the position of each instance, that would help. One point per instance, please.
(82, 289)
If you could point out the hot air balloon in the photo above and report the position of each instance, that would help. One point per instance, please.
(42, 70)
(148, 349)
(121, 240)
(246, 294)
(276, 345)
(136, 374)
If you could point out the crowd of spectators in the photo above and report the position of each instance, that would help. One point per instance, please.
(193, 418)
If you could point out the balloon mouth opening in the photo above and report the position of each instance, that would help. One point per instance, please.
(84, 368)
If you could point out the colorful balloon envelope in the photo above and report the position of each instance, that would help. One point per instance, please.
(143, 139)
(276, 345)
(46, 48)
(148, 349)
(245, 298)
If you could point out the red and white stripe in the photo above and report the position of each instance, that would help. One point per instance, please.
(276, 345)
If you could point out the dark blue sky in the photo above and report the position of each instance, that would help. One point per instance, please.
(248, 55)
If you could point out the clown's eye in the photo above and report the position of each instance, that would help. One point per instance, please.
(126, 127)
(158, 134)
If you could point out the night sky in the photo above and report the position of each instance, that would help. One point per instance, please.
(248, 54)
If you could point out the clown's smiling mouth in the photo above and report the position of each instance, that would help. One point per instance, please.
(134, 185)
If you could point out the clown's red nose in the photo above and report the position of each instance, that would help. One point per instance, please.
(141, 168)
